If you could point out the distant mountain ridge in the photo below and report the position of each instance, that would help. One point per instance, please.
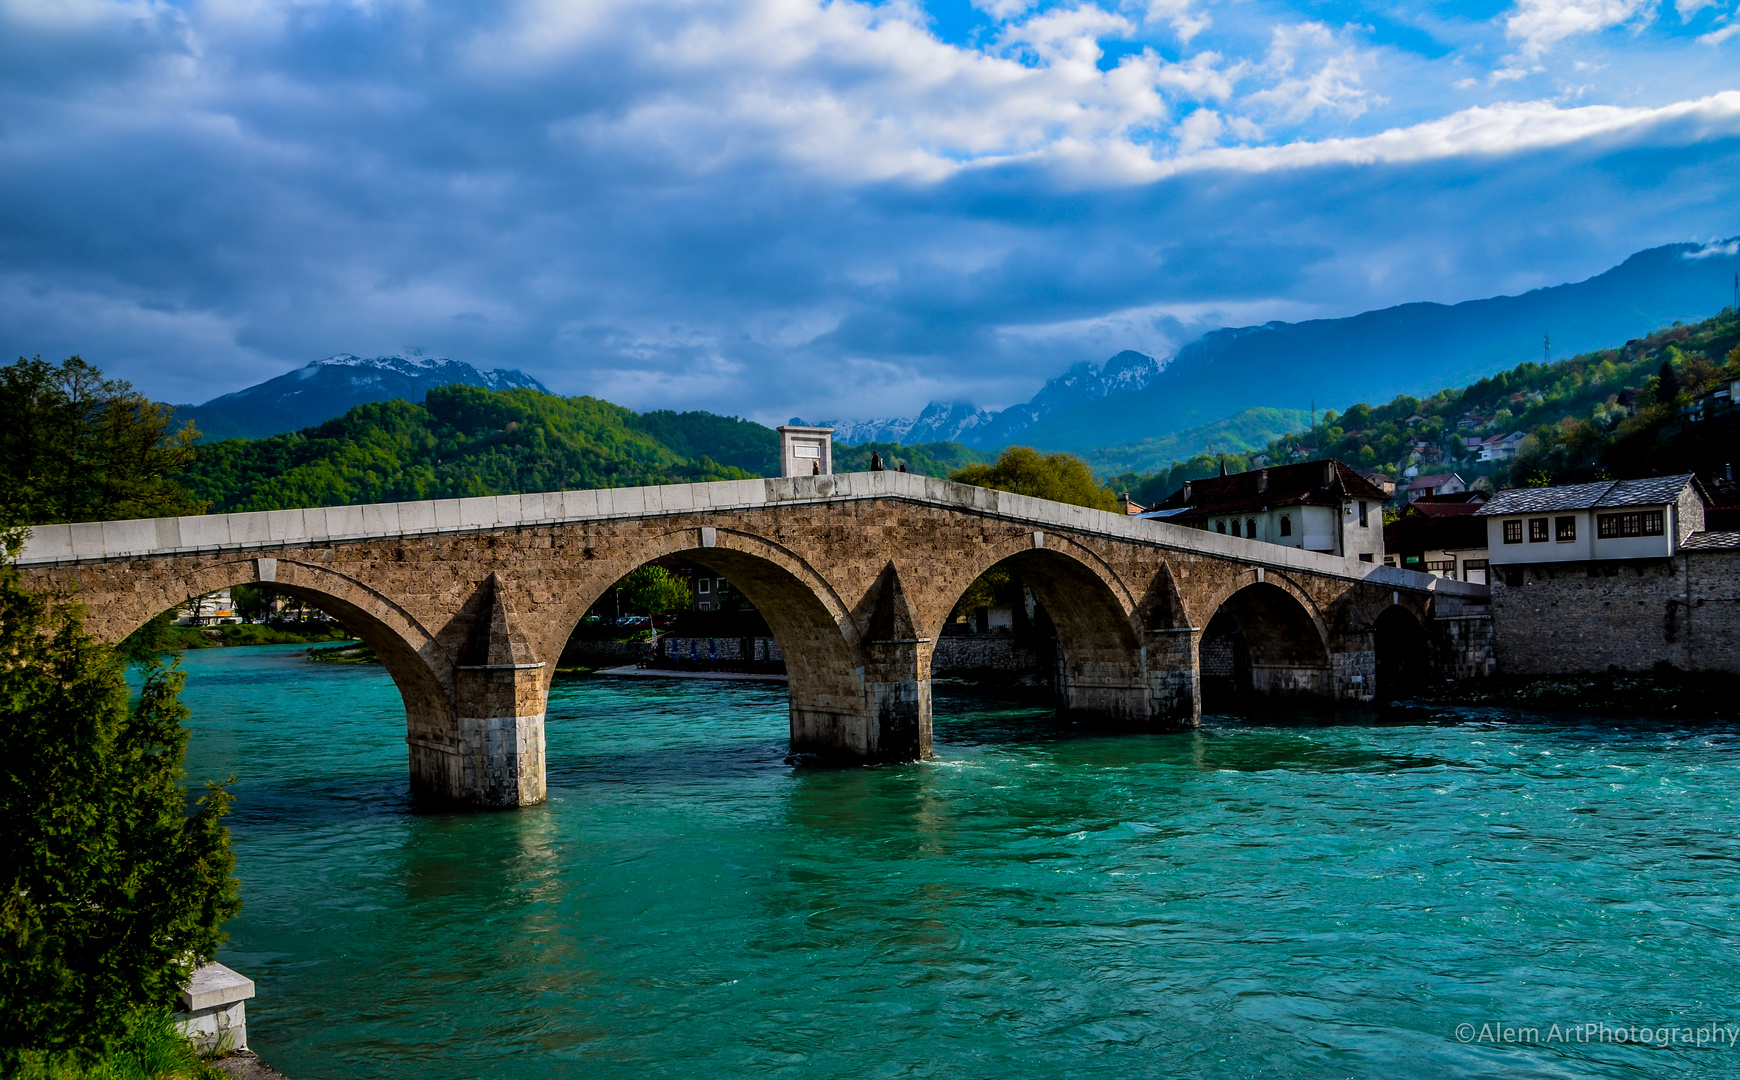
(1280, 369)
(1414, 349)
(1125, 373)
(327, 388)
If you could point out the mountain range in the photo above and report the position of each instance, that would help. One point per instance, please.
(1235, 388)
(1125, 373)
(327, 388)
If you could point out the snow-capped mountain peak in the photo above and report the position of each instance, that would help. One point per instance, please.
(1124, 373)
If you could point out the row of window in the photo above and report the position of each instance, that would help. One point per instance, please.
(1286, 524)
(1251, 527)
(705, 585)
(1607, 527)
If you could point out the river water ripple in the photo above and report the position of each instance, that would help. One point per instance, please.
(1246, 900)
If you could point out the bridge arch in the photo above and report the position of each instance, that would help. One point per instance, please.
(1403, 658)
(1099, 673)
(824, 651)
(413, 657)
(1267, 639)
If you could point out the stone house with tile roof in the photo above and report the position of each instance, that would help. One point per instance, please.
(1612, 575)
(1321, 506)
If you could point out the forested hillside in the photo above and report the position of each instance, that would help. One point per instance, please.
(1645, 408)
(461, 441)
(465, 440)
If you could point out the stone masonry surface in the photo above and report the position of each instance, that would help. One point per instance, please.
(469, 602)
(1633, 614)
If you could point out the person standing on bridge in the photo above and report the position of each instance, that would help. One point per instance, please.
(875, 461)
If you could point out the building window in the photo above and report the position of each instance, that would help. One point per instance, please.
(1286, 525)
(1617, 526)
(1537, 530)
(1250, 528)
(1365, 556)
(1565, 529)
(1220, 527)
(1363, 523)
(1442, 567)
(704, 586)
(1513, 532)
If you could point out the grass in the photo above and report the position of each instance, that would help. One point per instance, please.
(151, 1050)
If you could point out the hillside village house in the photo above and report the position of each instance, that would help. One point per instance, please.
(1380, 480)
(1440, 535)
(1320, 506)
(1498, 447)
(1617, 574)
(1435, 484)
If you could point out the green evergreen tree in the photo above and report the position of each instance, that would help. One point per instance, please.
(1667, 385)
(79, 447)
(111, 890)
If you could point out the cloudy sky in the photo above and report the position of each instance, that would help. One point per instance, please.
(782, 206)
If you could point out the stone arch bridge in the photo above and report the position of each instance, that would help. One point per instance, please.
(469, 602)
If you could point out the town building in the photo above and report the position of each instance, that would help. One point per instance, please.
(1605, 520)
(1435, 484)
(1440, 535)
(1611, 575)
(1322, 506)
(210, 610)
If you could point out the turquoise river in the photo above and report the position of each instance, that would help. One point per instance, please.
(1363, 899)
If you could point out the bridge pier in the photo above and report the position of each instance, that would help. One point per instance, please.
(1174, 667)
(494, 753)
(897, 699)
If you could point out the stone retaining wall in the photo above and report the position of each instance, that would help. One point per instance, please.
(1555, 619)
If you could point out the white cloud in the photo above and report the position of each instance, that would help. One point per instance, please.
(1178, 14)
(1004, 9)
(1732, 247)
(1332, 85)
(1541, 24)
(1485, 131)
(1204, 127)
(1689, 8)
(1716, 37)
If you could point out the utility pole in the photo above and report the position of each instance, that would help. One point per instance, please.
(1546, 348)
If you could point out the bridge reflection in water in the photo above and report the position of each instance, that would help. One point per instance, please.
(468, 603)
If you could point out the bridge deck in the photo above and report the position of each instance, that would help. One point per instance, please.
(102, 541)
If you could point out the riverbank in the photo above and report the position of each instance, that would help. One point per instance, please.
(246, 1065)
(632, 672)
(1668, 693)
(242, 634)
